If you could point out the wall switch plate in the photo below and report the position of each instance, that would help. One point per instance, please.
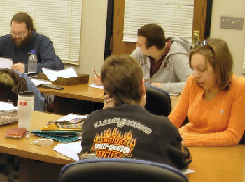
(231, 23)
(195, 37)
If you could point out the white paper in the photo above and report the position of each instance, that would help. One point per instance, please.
(38, 82)
(96, 86)
(53, 74)
(6, 106)
(69, 117)
(174, 94)
(69, 149)
(187, 171)
(6, 63)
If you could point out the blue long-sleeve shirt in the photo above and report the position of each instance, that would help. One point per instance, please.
(44, 50)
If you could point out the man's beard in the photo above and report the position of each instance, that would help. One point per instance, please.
(20, 42)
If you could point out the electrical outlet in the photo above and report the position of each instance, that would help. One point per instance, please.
(231, 23)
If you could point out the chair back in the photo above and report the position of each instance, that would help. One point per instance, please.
(119, 170)
(242, 141)
(158, 101)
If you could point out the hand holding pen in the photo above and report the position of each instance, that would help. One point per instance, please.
(97, 80)
(95, 73)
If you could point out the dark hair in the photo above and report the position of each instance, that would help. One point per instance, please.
(122, 78)
(154, 35)
(24, 17)
(217, 53)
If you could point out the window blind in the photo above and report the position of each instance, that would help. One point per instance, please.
(60, 20)
(175, 17)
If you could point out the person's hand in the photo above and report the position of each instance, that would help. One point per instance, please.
(143, 101)
(20, 67)
(156, 84)
(97, 80)
(108, 102)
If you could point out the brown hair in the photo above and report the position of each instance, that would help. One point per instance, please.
(154, 35)
(24, 17)
(217, 53)
(122, 78)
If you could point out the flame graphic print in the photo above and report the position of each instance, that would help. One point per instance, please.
(113, 144)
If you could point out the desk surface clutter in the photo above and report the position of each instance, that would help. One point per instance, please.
(9, 114)
(79, 91)
(66, 129)
(211, 164)
(88, 92)
(23, 147)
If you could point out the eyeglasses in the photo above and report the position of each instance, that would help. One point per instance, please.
(20, 34)
(204, 44)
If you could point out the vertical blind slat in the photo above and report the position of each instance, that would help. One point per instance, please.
(175, 16)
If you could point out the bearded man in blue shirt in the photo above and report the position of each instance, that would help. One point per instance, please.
(22, 39)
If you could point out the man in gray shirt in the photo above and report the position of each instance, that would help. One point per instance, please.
(165, 63)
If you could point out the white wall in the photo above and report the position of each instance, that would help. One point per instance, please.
(234, 38)
(92, 36)
(94, 27)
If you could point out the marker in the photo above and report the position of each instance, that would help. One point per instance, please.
(95, 73)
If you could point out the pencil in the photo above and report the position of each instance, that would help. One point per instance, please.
(95, 73)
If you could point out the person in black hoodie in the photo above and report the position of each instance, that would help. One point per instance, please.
(127, 129)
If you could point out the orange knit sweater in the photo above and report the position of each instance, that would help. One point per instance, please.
(218, 122)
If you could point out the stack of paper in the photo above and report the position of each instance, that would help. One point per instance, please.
(69, 149)
(72, 116)
(6, 63)
(97, 86)
(38, 82)
(7, 106)
(53, 74)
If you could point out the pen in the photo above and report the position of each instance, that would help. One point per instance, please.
(95, 73)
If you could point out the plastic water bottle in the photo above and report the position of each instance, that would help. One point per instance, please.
(32, 62)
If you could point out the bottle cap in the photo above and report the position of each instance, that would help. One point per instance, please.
(33, 52)
(26, 94)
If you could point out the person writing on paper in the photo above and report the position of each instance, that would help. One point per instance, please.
(164, 62)
(96, 78)
(22, 39)
(128, 130)
(213, 98)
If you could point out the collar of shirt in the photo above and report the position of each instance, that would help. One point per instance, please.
(156, 65)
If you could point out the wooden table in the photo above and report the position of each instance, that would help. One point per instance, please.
(79, 91)
(87, 93)
(37, 163)
(41, 163)
(79, 99)
(218, 164)
(174, 100)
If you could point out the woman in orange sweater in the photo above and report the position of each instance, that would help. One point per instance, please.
(213, 98)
